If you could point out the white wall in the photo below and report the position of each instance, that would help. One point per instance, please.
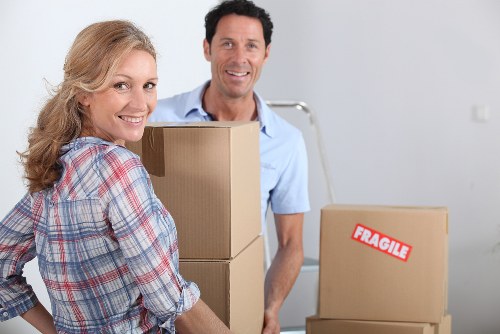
(35, 37)
(394, 84)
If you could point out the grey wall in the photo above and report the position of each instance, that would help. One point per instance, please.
(395, 85)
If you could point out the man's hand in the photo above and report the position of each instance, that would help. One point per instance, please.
(271, 323)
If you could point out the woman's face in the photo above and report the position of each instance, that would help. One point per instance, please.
(119, 113)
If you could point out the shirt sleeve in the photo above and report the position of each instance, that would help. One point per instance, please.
(147, 236)
(291, 192)
(17, 247)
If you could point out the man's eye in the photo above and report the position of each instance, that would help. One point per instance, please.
(228, 45)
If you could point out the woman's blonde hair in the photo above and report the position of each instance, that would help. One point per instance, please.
(90, 64)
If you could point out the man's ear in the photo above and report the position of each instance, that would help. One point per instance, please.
(268, 51)
(206, 50)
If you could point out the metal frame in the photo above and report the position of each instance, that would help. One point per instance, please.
(309, 264)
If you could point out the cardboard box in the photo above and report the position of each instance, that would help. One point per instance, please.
(444, 327)
(383, 263)
(315, 325)
(233, 289)
(207, 175)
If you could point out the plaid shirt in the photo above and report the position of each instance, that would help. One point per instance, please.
(106, 247)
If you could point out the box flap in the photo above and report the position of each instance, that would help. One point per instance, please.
(153, 157)
(316, 325)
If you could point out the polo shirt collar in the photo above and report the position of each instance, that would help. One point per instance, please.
(195, 101)
(263, 114)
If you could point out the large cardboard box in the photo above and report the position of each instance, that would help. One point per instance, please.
(444, 327)
(207, 175)
(315, 325)
(233, 289)
(383, 263)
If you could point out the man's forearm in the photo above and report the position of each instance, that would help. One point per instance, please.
(282, 275)
(284, 269)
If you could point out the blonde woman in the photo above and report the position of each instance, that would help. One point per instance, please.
(106, 246)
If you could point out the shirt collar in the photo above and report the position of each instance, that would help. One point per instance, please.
(79, 142)
(194, 105)
(195, 102)
(264, 115)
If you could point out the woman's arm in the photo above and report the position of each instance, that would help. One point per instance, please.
(200, 319)
(41, 319)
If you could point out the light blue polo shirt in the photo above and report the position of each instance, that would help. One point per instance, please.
(283, 155)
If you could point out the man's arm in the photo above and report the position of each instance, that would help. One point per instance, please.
(284, 269)
(200, 319)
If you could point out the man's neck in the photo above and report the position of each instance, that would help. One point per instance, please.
(226, 109)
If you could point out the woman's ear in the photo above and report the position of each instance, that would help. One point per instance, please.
(83, 98)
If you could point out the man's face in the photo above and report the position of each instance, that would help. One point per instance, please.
(237, 54)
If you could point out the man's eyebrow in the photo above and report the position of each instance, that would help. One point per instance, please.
(248, 39)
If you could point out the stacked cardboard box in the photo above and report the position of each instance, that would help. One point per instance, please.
(316, 325)
(207, 175)
(382, 268)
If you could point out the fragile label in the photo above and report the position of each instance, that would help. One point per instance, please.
(382, 242)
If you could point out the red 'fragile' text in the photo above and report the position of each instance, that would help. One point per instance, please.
(381, 242)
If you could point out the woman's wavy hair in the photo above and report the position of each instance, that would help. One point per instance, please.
(89, 66)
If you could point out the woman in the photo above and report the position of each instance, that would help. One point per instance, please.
(106, 246)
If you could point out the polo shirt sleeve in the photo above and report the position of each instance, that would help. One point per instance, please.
(147, 237)
(290, 195)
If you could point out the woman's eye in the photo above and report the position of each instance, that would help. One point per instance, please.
(120, 86)
(150, 85)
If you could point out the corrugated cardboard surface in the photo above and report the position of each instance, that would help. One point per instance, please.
(207, 175)
(315, 325)
(444, 327)
(359, 282)
(233, 289)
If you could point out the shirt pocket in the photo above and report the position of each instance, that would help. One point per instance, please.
(269, 177)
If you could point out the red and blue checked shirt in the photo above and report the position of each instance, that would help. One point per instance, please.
(106, 247)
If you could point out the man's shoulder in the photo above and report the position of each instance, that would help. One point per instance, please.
(176, 107)
(170, 108)
(175, 99)
(280, 126)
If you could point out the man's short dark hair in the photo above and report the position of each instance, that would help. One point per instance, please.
(238, 7)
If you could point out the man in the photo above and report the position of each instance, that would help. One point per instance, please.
(237, 44)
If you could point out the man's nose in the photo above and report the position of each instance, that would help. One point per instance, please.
(240, 55)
